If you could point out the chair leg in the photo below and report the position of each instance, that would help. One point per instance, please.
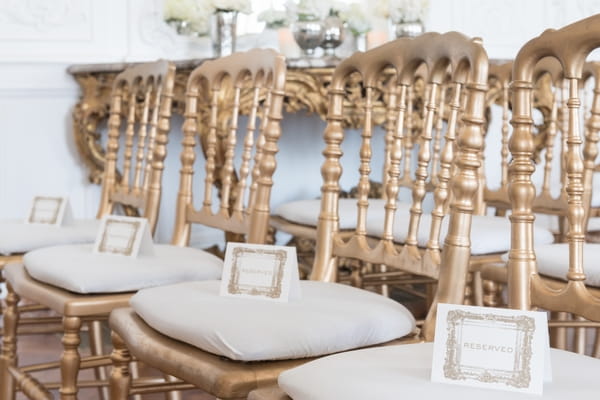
(134, 371)
(120, 379)
(70, 360)
(97, 349)
(492, 294)
(174, 394)
(8, 357)
(558, 336)
(596, 351)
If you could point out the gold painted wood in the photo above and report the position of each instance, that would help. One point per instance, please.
(570, 46)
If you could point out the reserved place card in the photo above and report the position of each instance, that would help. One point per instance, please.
(260, 271)
(48, 210)
(491, 347)
(124, 236)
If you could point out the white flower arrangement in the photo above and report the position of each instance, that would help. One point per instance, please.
(402, 10)
(274, 18)
(307, 10)
(193, 12)
(196, 13)
(357, 18)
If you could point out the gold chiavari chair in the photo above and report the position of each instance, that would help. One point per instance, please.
(17, 237)
(564, 277)
(465, 61)
(153, 96)
(390, 372)
(243, 209)
(82, 286)
(236, 346)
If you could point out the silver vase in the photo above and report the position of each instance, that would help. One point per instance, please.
(409, 28)
(308, 35)
(223, 26)
(333, 34)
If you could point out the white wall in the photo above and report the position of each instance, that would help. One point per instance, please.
(40, 38)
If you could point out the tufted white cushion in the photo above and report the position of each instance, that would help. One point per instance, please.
(306, 212)
(596, 190)
(329, 318)
(76, 268)
(404, 372)
(18, 237)
(489, 234)
(553, 260)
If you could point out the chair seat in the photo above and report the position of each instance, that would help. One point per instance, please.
(18, 237)
(60, 300)
(306, 212)
(77, 269)
(553, 261)
(405, 372)
(224, 378)
(489, 234)
(595, 202)
(329, 317)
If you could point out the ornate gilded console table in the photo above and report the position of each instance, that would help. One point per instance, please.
(306, 89)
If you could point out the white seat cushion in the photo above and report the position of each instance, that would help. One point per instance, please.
(18, 237)
(329, 318)
(76, 268)
(553, 260)
(404, 372)
(489, 234)
(306, 212)
(595, 202)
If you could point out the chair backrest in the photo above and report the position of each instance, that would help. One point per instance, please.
(547, 101)
(139, 121)
(452, 63)
(218, 93)
(570, 46)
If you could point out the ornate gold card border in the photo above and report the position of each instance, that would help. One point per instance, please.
(104, 246)
(274, 289)
(519, 377)
(50, 220)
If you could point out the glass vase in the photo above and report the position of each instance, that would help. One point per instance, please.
(223, 28)
(360, 42)
(333, 35)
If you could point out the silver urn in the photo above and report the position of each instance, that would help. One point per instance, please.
(308, 34)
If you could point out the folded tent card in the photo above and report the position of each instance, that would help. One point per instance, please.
(491, 348)
(260, 272)
(124, 236)
(49, 210)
